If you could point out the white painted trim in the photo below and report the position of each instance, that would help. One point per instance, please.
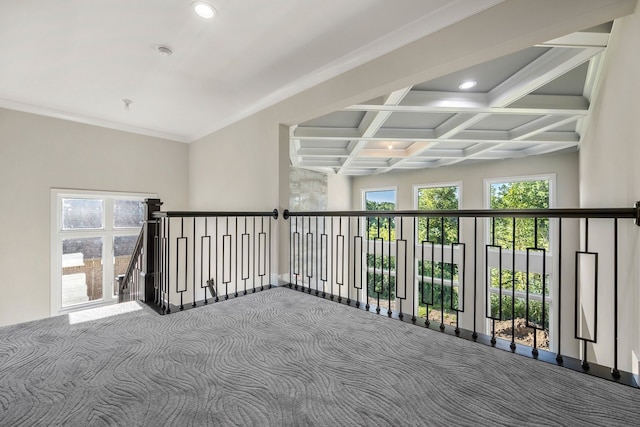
(416, 187)
(553, 272)
(551, 177)
(91, 121)
(375, 189)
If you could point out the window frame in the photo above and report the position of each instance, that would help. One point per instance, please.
(378, 189)
(417, 252)
(108, 232)
(365, 233)
(550, 253)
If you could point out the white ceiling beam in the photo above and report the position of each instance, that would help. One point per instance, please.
(477, 110)
(382, 152)
(458, 123)
(594, 71)
(512, 97)
(321, 152)
(371, 124)
(552, 137)
(539, 125)
(437, 99)
(493, 137)
(344, 134)
(544, 69)
(552, 102)
(438, 153)
(413, 151)
(294, 147)
(546, 148)
(319, 163)
(580, 39)
(539, 72)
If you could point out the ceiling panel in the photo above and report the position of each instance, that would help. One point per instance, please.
(502, 122)
(528, 103)
(571, 83)
(488, 74)
(415, 120)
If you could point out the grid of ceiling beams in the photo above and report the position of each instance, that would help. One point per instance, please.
(529, 103)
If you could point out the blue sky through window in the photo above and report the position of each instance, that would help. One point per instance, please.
(381, 196)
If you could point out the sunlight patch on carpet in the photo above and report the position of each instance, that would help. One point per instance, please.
(103, 312)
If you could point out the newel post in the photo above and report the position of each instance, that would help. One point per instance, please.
(149, 248)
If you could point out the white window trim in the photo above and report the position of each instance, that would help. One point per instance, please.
(417, 187)
(364, 192)
(108, 232)
(417, 257)
(549, 299)
(551, 177)
(364, 207)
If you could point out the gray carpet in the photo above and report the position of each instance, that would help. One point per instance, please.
(282, 358)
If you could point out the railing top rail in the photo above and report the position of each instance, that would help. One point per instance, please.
(206, 214)
(632, 213)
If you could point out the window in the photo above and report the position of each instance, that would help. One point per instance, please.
(93, 236)
(437, 253)
(522, 242)
(380, 235)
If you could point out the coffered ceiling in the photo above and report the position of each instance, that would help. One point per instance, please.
(531, 102)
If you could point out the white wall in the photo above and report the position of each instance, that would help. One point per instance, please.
(339, 192)
(608, 178)
(39, 153)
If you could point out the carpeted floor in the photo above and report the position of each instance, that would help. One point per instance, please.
(282, 358)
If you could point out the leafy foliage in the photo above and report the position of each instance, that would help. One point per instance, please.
(438, 230)
(519, 234)
(381, 227)
(529, 232)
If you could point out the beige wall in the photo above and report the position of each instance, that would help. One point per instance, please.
(39, 153)
(608, 178)
(565, 166)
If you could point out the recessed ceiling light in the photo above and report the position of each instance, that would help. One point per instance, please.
(203, 10)
(467, 85)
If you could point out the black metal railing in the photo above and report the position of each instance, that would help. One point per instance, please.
(129, 283)
(527, 281)
(200, 257)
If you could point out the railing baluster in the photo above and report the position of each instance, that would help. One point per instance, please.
(366, 257)
(168, 243)
(193, 303)
(559, 357)
(615, 372)
(238, 274)
(475, 277)
(442, 244)
(357, 261)
(349, 244)
(216, 299)
(512, 346)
